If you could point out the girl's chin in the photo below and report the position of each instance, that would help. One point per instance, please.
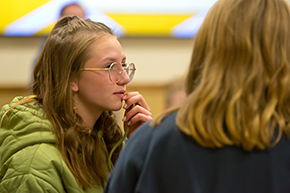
(117, 105)
(117, 108)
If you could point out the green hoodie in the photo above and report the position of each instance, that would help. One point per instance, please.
(29, 159)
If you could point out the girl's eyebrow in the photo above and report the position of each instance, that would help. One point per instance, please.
(113, 59)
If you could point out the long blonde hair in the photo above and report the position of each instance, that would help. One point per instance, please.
(64, 54)
(238, 81)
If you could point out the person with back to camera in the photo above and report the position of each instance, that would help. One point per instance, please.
(231, 134)
(64, 137)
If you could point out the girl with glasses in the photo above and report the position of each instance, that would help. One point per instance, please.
(64, 137)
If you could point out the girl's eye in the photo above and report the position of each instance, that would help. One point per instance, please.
(108, 66)
(124, 65)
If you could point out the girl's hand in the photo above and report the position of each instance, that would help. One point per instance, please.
(137, 111)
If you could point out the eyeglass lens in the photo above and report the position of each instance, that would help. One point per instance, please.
(117, 70)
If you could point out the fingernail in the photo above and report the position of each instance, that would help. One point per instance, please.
(124, 118)
(129, 122)
(125, 106)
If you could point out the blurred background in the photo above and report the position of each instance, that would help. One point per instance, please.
(157, 35)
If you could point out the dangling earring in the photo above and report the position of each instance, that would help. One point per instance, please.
(75, 111)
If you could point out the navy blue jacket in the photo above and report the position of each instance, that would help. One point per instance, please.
(165, 160)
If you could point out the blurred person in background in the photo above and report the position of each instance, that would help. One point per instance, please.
(70, 9)
(174, 93)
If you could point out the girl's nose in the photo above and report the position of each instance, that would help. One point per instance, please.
(125, 79)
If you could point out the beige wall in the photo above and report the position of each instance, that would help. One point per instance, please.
(158, 60)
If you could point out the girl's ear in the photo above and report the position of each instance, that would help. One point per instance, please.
(74, 86)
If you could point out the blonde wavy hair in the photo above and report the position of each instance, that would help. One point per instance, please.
(64, 54)
(238, 84)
